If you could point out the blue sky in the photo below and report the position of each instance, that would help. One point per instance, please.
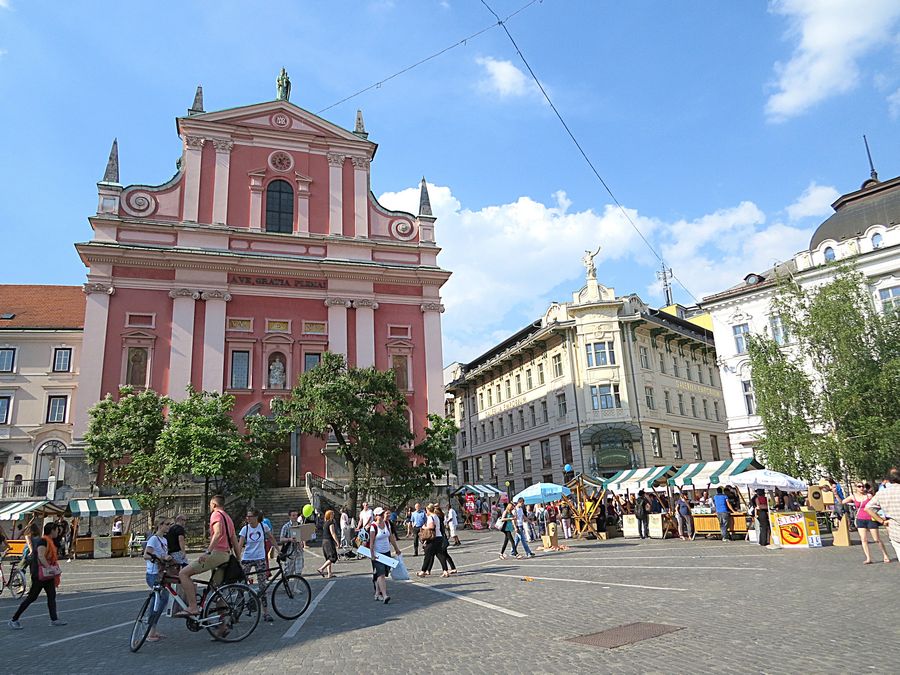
(724, 129)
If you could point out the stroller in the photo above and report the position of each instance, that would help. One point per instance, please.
(350, 541)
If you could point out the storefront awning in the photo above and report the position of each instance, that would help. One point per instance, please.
(703, 474)
(15, 510)
(482, 490)
(103, 508)
(638, 479)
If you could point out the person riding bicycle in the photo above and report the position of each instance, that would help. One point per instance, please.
(222, 540)
(291, 545)
(157, 549)
(253, 537)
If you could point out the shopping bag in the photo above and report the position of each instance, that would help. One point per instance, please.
(400, 573)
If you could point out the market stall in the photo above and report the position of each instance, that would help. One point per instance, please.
(585, 502)
(468, 494)
(27, 512)
(707, 476)
(103, 545)
(790, 529)
(648, 479)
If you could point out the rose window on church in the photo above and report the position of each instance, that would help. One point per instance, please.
(281, 161)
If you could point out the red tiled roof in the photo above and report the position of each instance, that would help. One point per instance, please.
(41, 306)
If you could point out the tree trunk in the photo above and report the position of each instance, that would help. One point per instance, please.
(354, 486)
(206, 499)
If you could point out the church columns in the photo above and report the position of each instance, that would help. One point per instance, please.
(361, 196)
(214, 340)
(193, 151)
(335, 193)
(434, 360)
(182, 341)
(337, 325)
(220, 186)
(365, 332)
(96, 312)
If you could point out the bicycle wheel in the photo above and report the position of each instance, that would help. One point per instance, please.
(141, 628)
(238, 609)
(291, 596)
(17, 583)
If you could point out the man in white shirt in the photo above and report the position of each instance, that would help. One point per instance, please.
(452, 521)
(365, 517)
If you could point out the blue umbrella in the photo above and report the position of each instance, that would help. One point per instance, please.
(540, 493)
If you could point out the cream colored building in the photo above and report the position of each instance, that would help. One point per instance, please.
(40, 347)
(601, 383)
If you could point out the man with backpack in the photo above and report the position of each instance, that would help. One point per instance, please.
(642, 513)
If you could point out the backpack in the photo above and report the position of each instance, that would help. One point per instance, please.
(640, 508)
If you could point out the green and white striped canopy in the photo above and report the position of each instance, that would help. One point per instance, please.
(15, 510)
(103, 508)
(703, 474)
(633, 480)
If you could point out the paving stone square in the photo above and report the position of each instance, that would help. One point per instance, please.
(741, 609)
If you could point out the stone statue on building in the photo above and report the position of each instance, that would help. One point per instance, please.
(588, 262)
(276, 374)
(284, 86)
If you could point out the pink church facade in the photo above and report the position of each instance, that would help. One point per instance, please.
(266, 249)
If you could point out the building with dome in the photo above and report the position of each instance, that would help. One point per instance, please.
(264, 250)
(865, 227)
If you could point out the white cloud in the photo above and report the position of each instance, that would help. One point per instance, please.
(503, 78)
(894, 104)
(833, 36)
(816, 200)
(508, 257)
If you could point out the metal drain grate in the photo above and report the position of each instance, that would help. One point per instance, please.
(625, 635)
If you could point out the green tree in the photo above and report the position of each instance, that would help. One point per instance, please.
(361, 409)
(121, 441)
(202, 439)
(841, 374)
(413, 475)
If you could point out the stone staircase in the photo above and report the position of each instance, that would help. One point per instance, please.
(277, 503)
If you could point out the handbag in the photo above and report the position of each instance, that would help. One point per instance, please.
(426, 534)
(234, 572)
(47, 572)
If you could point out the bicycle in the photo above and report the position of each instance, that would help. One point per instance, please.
(16, 582)
(229, 613)
(291, 593)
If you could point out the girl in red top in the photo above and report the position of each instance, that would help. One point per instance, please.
(862, 493)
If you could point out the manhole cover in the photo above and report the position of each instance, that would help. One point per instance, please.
(625, 635)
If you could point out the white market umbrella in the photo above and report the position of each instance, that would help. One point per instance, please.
(766, 479)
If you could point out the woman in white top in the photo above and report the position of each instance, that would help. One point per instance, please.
(381, 541)
(253, 537)
(157, 546)
(435, 545)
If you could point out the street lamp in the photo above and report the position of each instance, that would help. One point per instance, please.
(507, 490)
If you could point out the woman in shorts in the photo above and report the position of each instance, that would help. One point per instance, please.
(253, 538)
(381, 541)
(862, 493)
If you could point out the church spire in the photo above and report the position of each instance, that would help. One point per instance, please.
(360, 129)
(197, 107)
(424, 201)
(111, 175)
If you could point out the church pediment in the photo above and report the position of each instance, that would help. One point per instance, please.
(275, 116)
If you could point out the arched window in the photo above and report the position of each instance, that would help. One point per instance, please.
(876, 240)
(279, 207)
(829, 254)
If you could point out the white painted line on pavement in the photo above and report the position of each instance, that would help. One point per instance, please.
(93, 632)
(673, 557)
(79, 609)
(584, 581)
(98, 586)
(298, 624)
(639, 567)
(480, 603)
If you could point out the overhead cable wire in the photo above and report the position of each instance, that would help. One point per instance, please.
(459, 43)
(502, 24)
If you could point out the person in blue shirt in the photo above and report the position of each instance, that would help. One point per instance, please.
(723, 511)
(418, 520)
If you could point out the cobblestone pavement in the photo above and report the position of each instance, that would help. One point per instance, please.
(742, 609)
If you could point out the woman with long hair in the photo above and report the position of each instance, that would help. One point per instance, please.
(433, 544)
(45, 576)
(862, 493)
(381, 541)
(330, 541)
(508, 527)
(445, 541)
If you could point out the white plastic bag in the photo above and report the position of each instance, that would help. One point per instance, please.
(400, 573)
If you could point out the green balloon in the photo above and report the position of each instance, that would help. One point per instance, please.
(307, 511)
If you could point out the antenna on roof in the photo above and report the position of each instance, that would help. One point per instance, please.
(872, 172)
(664, 275)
